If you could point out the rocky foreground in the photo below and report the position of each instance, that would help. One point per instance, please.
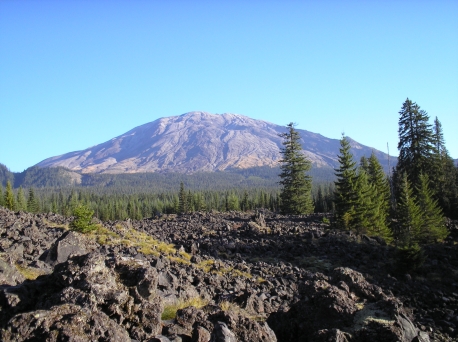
(227, 277)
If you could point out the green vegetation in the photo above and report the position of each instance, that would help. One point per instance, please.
(345, 186)
(295, 195)
(9, 197)
(170, 310)
(28, 272)
(407, 208)
(83, 219)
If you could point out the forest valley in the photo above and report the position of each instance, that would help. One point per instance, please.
(408, 207)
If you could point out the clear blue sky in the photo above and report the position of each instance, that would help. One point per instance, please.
(77, 73)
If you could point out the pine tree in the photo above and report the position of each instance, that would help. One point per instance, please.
(9, 196)
(296, 192)
(364, 208)
(32, 202)
(345, 186)
(408, 214)
(442, 179)
(433, 224)
(415, 142)
(21, 203)
(83, 219)
(364, 163)
(182, 200)
(379, 181)
(245, 203)
(232, 202)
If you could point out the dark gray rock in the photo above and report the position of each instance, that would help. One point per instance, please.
(70, 243)
(9, 275)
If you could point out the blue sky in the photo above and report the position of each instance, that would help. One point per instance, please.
(77, 73)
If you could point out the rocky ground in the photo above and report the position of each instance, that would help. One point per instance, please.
(218, 277)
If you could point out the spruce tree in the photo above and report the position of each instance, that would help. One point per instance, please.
(364, 207)
(379, 181)
(9, 196)
(245, 203)
(415, 142)
(443, 177)
(296, 192)
(21, 203)
(182, 200)
(408, 214)
(433, 224)
(83, 219)
(345, 186)
(32, 202)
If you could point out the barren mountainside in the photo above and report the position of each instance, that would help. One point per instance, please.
(200, 141)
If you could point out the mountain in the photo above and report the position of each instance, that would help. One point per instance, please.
(200, 141)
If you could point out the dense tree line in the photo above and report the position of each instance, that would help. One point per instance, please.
(114, 206)
(409, 207)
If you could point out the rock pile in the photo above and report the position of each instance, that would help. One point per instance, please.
(261, 277)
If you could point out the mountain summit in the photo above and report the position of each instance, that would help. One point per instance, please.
(199, 141)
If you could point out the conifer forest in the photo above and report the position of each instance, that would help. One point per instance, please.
(409, 205)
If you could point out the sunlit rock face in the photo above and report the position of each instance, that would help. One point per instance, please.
(199, 141)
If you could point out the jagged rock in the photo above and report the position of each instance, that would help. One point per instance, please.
(276, 271)
(334, 335)
(120, 290)
(70, 243)
(63, 323)
(200, 334)
(9, 275)
(334, 312)
(221, 333)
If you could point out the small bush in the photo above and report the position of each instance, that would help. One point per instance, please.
(83, 219)
(409, 258)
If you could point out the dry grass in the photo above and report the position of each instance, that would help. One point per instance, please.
(147, 245)
(185, 255)
(179, 260)
(28, 273)
(235, 308)
(260, 280)
(170, 311)
(55, 225)
(132, 238)
(205, 265)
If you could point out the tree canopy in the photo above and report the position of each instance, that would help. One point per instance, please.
(295, 195)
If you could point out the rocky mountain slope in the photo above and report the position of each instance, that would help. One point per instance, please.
(238, 277)
(200, 141)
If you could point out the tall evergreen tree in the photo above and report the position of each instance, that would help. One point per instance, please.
(380, 182)
(245, 203)
(21, 203)
(182, 200)
(364, 207)
(32, 202)
(408, 214)
(9, 196)
(296, 193)
(443, 177)
(433, 224)
(415, 142)
(345, 186)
